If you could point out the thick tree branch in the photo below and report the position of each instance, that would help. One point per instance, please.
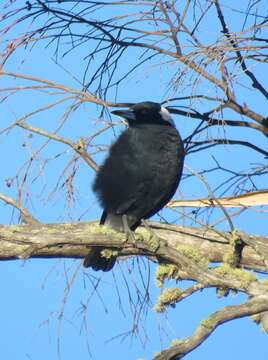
(72, 240)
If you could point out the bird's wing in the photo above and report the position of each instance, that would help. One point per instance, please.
(125, 177)
(140, 174)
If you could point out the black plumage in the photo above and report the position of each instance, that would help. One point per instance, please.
(140, 174)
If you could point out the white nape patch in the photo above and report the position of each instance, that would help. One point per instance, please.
(165, 114)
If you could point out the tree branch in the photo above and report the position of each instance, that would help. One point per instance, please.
(202, 145)
(220, 122)
(72, 240)
(26, 216)
(78, 147)
(255, 83)
(206, 327)
(254, 198)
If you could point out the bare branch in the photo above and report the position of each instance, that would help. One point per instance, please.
(26, 216)
(256, 198)
(255, 83)
(79, 147)
(221, 122)
(207, 326)
(73, 240)
(211, 143)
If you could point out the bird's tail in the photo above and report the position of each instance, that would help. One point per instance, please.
(95, 258)
(97, 261)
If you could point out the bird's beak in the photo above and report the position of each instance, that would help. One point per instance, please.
(125, 114)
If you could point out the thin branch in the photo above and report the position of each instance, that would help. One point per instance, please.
(214, 142)
(26, 216)
(214, 121)
(173, 29)
(206, 327)
(255, 83)
(212, 196)
(78, 147)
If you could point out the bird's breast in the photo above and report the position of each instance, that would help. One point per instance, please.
(162, 142)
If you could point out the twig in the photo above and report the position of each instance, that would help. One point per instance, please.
(78, 147)
(26, 216)
(255, 83)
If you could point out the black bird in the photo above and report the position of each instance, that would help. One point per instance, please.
(140, 174)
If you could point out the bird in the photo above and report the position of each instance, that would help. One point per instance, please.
(140, 174)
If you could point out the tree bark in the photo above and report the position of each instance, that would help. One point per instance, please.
(72, 240)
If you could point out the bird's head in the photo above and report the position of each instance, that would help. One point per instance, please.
(146, 112)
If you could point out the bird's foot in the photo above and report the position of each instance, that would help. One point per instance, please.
(130, 237)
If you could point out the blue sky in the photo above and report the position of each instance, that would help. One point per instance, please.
(33, 292)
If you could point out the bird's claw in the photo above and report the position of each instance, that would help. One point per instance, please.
(130, 237)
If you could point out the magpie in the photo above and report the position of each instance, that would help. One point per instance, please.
(140, 174)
